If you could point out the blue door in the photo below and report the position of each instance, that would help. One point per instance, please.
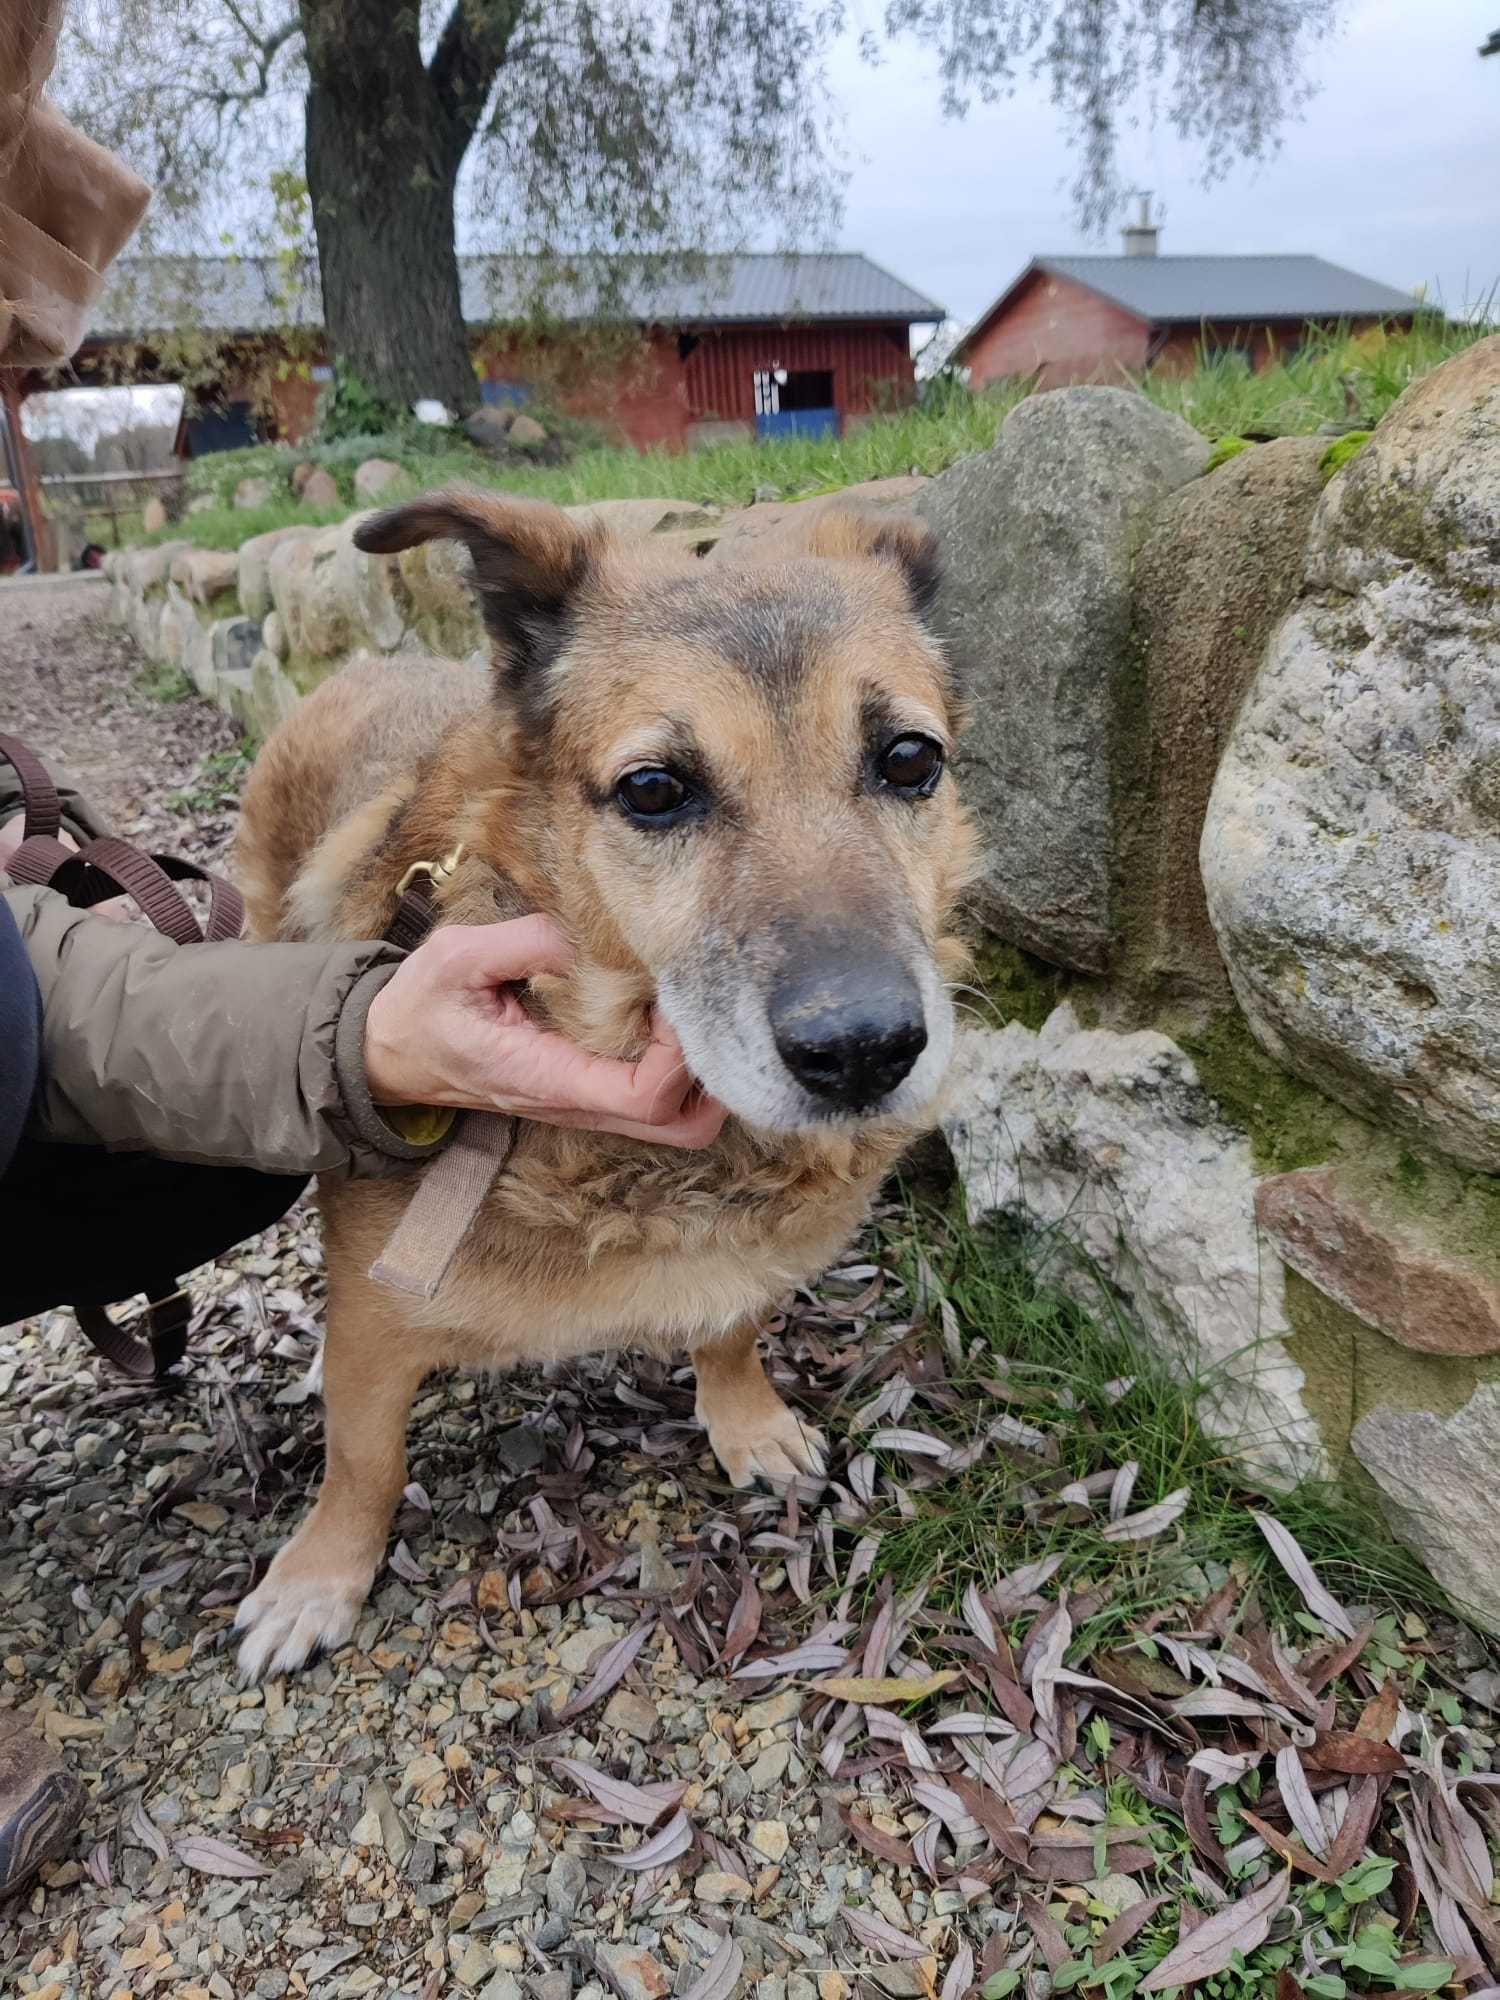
(795, 402)
(797, 423)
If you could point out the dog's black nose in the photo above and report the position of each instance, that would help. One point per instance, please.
(849, 1030)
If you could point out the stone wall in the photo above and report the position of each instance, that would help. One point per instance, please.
(1235, 754)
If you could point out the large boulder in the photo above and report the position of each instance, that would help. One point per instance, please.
(773, 528)
(319, 489)
(254, 493)
(372, 478)
(1439, 1482)
(1350, 852)
(255, 567)
(204, 574)
(633, 520)
(435, 586)
(332, 598)
(1110, 1143)
(1039, 535)
(1221, 562)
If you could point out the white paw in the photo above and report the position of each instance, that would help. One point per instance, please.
(777, 1447)
(291, 1618)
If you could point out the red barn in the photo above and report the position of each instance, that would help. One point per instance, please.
(756, 344)
(1091, 319)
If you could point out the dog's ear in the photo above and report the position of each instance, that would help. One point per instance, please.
(899, 539)
(529, 562)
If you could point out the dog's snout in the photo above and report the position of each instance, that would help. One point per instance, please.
(849, 1032)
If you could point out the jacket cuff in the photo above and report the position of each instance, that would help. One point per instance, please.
(369, 1123)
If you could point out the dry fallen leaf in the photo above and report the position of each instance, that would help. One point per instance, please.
(1238, 1927)
(884, 1691)
(1288, 1552)
(206, 1856)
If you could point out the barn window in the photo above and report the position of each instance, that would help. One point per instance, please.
(795, 401)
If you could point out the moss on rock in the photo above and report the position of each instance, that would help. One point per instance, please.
(1350, 1369)
(1289, 1124)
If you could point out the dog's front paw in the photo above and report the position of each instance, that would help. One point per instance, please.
(774, 1445)
(298, 1612)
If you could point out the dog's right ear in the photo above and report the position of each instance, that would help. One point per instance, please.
(529, 561)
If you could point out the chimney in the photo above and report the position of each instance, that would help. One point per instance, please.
(1139, 237)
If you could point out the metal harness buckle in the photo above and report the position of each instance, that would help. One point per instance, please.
(437, 872)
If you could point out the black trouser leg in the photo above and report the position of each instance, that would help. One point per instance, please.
(79, 1226)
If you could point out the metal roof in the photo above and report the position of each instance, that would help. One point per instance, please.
(1186, 290)
(257, 295)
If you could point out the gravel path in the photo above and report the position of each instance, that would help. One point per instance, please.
(69, 686)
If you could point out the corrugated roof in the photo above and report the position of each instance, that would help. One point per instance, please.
(1194, 288)
(255, 295)
(1187, 290)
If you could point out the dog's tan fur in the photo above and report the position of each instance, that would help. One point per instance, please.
(589, 1241)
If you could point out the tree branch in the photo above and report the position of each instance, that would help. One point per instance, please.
(466, 61)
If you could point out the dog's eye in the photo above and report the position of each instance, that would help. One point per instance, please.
(652, 794)
(911, 764)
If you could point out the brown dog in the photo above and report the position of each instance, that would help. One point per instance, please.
(729, 787)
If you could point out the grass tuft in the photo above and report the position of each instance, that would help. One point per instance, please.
(1062, 1368)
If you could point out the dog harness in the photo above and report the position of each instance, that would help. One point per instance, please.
(421, 1248)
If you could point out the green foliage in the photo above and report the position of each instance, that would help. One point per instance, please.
(349, 408)
(217, 783)
(163, 683)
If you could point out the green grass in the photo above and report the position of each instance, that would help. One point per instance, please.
(1332, 380)
(1062, 1365)
(163, 683)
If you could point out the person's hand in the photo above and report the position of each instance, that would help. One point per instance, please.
(447, 1028)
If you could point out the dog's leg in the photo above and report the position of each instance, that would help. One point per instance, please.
(313, 1591)
(753, 1433)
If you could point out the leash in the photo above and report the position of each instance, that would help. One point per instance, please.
(98, 870)
(421, 1248)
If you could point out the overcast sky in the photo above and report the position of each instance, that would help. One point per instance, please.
(1394, 170)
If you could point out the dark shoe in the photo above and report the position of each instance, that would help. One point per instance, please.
(41, 1803)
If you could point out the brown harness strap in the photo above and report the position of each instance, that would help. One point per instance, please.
(167, 1318)
(421, 1248)
(98, 870)
(38, 793)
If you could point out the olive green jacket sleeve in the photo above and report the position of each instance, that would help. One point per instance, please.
(236, 1054)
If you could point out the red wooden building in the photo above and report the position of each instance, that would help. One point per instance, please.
(753, 344)
(1093, 319)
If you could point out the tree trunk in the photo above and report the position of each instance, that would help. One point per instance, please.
(383, 154)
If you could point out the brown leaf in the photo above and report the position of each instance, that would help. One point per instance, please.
(1050, 1941)
(744, 1622)
(1354, 1754)
(1070, 1858)
(997, 1819)
(1289, 1553)
(1288, 1985)
(216, 1857)
(1285, 1848)
(611, 1669)
(886, 1692)
(1239, 1927)
(674, 1840)
(1378, 1717)
(1320, 1668)
(885, 1846)
(1348, 1843)
(869, 1928)
(1118, 1934)
(1199, 1822)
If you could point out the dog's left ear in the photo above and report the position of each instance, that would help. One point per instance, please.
(899, 539)
(530, 561)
